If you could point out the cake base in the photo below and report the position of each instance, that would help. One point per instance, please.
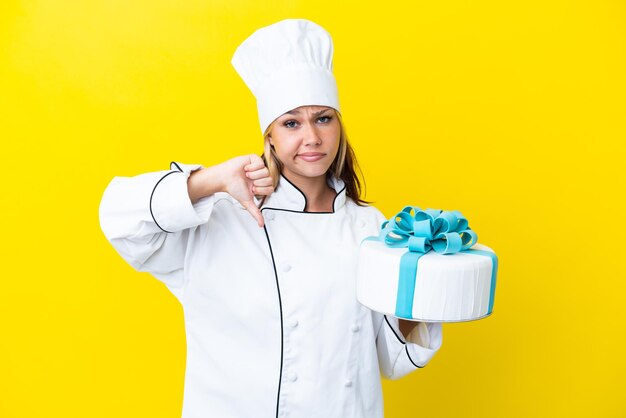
(456, 287)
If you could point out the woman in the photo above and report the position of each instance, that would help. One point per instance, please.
(272, 322)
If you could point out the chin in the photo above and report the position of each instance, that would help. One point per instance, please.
(311, 172)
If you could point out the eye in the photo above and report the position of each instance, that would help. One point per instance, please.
(290, 124)
(324, 119)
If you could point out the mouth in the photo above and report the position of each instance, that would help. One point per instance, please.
(311, 156)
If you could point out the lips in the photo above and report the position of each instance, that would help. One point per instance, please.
(311, 156)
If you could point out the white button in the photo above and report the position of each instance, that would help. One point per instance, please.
(293, 323)
(355, 328)
(292, 376)
(348, 383)
(269, 216)
(286, 267)
(361, 223)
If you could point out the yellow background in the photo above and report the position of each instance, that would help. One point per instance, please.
(511, 112)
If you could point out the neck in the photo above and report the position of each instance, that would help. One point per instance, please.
(319, 196)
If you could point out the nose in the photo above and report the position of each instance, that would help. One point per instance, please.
(311, 137)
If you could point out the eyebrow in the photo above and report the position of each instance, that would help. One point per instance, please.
(296, 112)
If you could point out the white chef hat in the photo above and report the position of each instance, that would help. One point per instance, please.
(287, 65)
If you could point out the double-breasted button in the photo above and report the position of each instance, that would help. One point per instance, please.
(269, 216)
(355, 328)
(286, 267)
(293, 323)
(348, 383)
(292, 376)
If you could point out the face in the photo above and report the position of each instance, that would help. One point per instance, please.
(306, 140)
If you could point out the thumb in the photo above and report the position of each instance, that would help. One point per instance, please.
(254, 211)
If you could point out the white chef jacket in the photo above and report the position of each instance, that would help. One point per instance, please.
(272, 323)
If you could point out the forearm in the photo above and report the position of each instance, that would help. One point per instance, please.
(205, 182)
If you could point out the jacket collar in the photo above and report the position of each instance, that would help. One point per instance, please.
(287, 196)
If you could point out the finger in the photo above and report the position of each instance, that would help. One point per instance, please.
(254, 166)
(258, 174)
(255, 163)
(263, 182)
(255, 159)
(265, 191)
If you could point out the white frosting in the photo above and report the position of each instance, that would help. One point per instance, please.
(448, 288)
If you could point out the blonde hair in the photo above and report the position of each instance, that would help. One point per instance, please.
(344, 167)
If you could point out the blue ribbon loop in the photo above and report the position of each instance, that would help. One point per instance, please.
(445, 232)
(421, 231)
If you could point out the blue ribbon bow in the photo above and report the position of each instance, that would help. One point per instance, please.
(445, 232)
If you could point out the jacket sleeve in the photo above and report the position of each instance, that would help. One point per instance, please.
(397, 355)
(148, 219)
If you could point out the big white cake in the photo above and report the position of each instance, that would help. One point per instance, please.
(444, 287)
